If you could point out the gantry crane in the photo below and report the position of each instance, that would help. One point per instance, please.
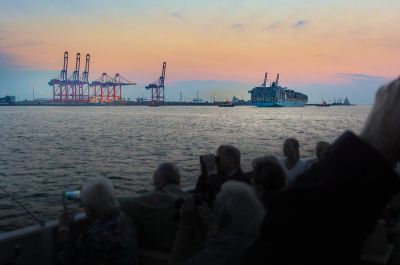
(157, 88)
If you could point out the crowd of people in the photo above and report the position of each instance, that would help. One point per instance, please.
(285, 211)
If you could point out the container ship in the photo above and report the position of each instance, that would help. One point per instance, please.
(276, 95)
(7, 100)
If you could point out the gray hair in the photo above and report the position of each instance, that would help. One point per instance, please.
(238, 207)
(169, 173)
(97, 195)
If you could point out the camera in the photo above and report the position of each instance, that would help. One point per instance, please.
(202, 158)
(203, 166)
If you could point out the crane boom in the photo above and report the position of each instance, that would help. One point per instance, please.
(265, 80)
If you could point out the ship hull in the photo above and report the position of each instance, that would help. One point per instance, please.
(276, 96)
(280, 103)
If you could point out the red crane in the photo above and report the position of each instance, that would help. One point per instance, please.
(73, 82)
(76, 88)
(84, 81)
(108, 89)
(117, 84)
(101, 89)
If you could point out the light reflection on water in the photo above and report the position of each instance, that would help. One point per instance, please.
(44, 150)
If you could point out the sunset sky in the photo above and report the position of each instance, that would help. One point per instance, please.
(325, 49)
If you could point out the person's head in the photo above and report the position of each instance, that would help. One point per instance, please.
(321, 149)
(228, 159)
(97, 196)
(291, 148)
(238, 209)
(268, 177)
(166, 174)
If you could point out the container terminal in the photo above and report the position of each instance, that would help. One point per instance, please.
(76, 90)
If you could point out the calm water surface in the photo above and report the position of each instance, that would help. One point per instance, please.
(44, 150)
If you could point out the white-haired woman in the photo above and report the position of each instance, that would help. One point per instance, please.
(237, 215)
(109, 239)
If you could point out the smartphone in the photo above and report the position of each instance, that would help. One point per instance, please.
(72, 195)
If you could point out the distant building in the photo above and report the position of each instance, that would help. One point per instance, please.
(199, 101)
(142, 100)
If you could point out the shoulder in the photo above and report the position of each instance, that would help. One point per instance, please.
(303, 162)
(300, 167)
(105, 239)
(129, 205)
(159, 199)
(310, 161)
(126, 201)
(281, 161)
(97, 232)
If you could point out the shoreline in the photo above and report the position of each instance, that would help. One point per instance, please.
(145, 104)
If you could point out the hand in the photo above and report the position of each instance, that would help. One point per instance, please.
(209, 162)
(66, 218)
(382, 128)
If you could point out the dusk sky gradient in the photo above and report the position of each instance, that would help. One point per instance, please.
(325, 49)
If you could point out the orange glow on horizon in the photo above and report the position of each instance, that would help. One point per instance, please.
(326, 43)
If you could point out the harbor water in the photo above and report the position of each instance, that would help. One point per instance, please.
(45, 150)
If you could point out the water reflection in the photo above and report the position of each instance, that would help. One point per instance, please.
(44, 150)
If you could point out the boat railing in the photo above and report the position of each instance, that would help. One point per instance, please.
(20, 204)
(37, 243)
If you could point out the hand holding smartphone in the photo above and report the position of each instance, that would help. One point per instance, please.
(208, 164)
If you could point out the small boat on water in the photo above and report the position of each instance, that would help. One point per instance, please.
(226, 104)
(154, 104)
(324, 104)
